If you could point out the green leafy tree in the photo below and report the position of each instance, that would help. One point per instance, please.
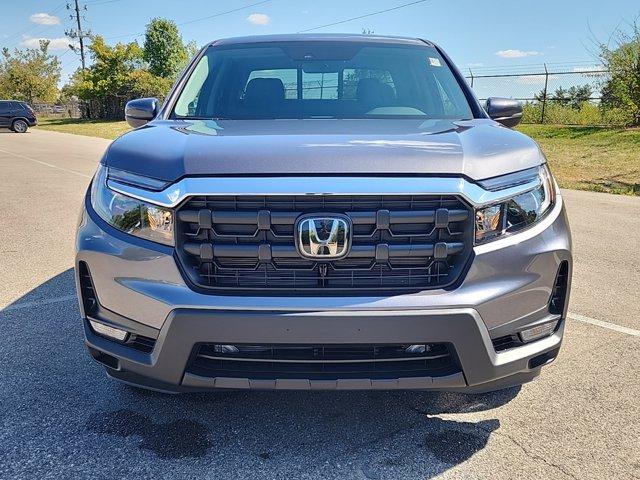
(622, 89)
(107, 84)
(125, 71)
(31, 74)
(579, 94)
(144, 84)
(560, 95)
(573, 96)
(109, 74)
(164, 50)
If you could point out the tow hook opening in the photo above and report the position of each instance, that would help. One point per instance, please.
(105, 359)
(544, 358)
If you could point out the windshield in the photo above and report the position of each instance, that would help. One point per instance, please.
(321, 80)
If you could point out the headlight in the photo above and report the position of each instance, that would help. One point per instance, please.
(130, 215)
(518, 212)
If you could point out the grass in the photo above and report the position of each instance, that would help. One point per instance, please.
(591, 158)
(93, 128)
(584, 158)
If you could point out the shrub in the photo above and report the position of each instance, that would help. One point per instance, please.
(586, 113)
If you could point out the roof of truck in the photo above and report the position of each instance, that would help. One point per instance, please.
(322, 37)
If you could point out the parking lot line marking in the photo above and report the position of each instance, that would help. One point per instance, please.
(603, 324)
(44, 163)
(38, 303)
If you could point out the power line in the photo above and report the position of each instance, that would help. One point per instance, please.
(224, 13)
(199, 19)
(398, 7)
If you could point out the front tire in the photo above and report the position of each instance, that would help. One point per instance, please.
(19, 126)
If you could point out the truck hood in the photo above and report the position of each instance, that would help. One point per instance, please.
(171, 149)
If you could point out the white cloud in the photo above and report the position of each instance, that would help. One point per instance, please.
(517, 53)
(60, 43)
(259, 19)
(475, 64)
(44, 19)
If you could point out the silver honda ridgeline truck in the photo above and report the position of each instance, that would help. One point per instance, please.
(323, 212)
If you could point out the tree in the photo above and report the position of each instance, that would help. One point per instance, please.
(164, 50)
(31, 74)
(560, 96)
(117, 75)
(622, 89)
(125, 71)
(573, 96)
(579, 94)
(144, 84)
(107, 84)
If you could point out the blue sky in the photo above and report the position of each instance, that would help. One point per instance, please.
(476, 34)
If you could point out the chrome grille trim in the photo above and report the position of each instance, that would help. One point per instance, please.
(176, 193)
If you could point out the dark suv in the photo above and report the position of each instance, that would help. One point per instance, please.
(18, 116)
(323, 212)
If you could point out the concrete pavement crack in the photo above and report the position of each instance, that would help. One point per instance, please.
(529, 454)
(532, 455)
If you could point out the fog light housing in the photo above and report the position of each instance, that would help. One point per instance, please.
(418, 349)
(109, 331)
(539, 331)
(225, 349)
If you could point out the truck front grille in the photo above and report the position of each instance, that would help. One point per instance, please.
(403, 243)
(322, 361)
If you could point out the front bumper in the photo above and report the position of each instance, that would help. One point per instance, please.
(508, 286)
(482, 368)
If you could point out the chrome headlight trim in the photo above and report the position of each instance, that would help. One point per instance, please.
(135, 180)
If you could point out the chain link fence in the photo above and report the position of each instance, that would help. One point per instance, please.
(569, 97)
(67, 109)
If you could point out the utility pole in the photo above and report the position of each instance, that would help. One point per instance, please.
(78, 34)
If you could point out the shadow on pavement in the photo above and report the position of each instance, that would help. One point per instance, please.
(56, 400)
(8, 131)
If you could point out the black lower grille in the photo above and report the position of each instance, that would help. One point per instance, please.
(323, 361)
(87, 290)
(236, 244)
(507, 342)
(141, 343)
(559, 293)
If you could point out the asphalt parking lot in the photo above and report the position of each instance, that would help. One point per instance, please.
(60, 417)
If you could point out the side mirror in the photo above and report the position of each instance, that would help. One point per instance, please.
(140, 111)
(506, 111)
